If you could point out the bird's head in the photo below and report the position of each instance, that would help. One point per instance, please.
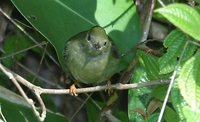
(97, 41)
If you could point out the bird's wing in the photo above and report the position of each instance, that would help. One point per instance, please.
(65, 51)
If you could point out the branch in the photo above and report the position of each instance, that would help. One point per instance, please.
(38, 90)
(13, 78)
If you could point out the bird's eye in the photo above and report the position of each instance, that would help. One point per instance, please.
(88, 37)
(105, 43)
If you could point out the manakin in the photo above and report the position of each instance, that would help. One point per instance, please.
(91, 58)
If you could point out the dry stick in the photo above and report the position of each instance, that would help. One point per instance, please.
(147, 23)
(171, 83)
(161, 3)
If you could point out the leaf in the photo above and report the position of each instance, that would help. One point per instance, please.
(153, 105)
(185, 112)
(15, 108)
(178, 101)
(138, 98)
(159, 92)
(153, 117)
(184, 17)
(59, 20)
(170, 115)
(189, 83)
(120, 115)
(192, 115)
(93, 112)
(189, 52)
(151, 65)
(174, 42)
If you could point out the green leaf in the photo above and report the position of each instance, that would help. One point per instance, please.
(59, 20)
(178, 101)
(15, 108)
(93, 112)
(153, 117)
(185, 112)
(189, 83)
(138, 98)
(120, 115)
(189, 52)
(174, 42)
(184, 17)
(170, 115)
(159, 92)
(192, 115)
(151, 65)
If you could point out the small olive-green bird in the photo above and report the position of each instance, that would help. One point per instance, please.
(91, 58)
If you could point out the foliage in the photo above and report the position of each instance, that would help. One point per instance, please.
(58, 20)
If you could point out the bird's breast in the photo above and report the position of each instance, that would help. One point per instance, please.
(85, 68)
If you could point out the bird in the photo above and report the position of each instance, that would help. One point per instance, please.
(91, 57)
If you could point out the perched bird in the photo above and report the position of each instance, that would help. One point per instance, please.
(90, 57)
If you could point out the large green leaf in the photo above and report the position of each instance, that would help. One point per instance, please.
(185, 112)
(15, 108)
(174, 42)
(184, 17)
(58, 20)
(189, 83)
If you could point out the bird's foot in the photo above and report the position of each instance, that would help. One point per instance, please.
(109, 88)
(72, 90)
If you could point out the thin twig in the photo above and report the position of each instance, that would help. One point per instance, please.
(40, 63)
(147, 22)
(79, 108)
(195, 43)
(4, 119)
(161, 3)
(51, 83)
(21, 51)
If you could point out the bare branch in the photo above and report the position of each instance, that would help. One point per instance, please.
(38, 90)
(12, 77)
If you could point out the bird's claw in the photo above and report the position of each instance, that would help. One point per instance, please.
(72, 90)
(109, 88)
